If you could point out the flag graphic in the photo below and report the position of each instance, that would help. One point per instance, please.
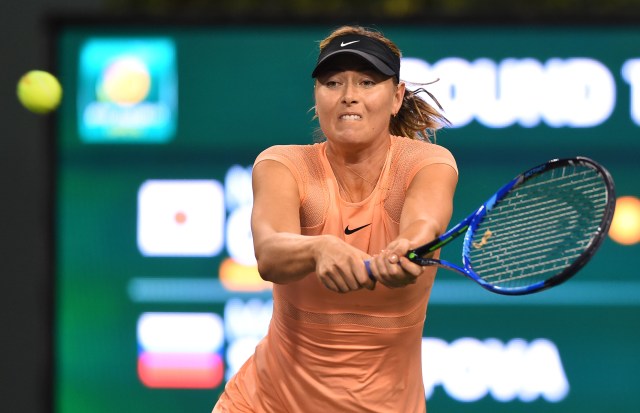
(180, 350)
(181, 218)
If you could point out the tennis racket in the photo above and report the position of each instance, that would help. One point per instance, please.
(535, 232)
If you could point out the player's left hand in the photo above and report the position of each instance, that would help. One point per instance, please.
(392, 269)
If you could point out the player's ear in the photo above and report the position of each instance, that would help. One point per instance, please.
(398, 97)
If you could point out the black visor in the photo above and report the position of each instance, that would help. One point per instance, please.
(373, 51)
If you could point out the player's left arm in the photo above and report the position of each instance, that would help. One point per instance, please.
(427, 210)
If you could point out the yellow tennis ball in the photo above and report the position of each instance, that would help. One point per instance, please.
(39, 91)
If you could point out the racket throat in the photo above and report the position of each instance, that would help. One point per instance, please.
(439, 242)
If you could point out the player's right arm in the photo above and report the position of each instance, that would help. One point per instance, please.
(283, 254)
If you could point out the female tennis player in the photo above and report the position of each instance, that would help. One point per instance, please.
(372, 189)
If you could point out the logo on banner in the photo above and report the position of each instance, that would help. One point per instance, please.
(127, 90)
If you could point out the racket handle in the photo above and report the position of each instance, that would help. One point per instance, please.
(367, 265)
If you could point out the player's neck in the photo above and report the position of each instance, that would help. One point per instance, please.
(357, 176)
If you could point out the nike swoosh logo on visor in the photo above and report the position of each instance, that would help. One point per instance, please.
(348, 231)
(343, 44)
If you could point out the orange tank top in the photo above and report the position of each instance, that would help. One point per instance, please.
(354, 352)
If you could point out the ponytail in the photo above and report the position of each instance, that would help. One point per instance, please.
(416, 118)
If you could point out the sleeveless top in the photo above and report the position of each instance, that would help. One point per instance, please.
(331, 352)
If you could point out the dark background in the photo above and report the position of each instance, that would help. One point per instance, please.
(24, 208)
(25, 158)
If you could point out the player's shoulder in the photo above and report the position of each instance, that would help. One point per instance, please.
(301, 160)
(419, 148)
(287, 151)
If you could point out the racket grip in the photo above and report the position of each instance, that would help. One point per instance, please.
(367, 265)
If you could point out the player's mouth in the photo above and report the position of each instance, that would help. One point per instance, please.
(350, 116)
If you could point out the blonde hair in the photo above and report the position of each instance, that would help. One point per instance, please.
(416, 118)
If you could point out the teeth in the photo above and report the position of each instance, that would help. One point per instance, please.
(350, 117)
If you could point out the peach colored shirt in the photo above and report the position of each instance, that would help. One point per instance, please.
(354, 352)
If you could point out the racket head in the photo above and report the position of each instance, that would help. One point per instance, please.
(541, 228)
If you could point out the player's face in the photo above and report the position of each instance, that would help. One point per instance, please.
(354, 102)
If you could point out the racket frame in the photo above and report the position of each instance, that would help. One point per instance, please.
(469, 225)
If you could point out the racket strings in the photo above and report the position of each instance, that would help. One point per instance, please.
(540, 228)
(524, 210)
(512, 227)
(526, 259)
(534, 271)
(528, 232)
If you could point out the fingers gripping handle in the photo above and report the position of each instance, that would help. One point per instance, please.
(412, 256)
